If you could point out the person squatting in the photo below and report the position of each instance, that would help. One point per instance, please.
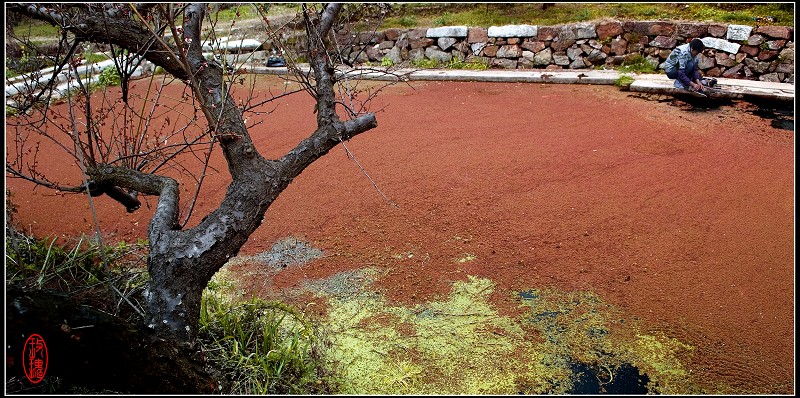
(681, 65)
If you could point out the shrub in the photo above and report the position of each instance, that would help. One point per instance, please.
(109, 77)
(408, 21)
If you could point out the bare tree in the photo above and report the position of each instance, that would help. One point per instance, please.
(119, 153)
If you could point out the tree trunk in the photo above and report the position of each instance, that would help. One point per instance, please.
(91, 349)
(182, 262)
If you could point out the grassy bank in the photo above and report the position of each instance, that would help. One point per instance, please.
(408, 15)
(488, 14)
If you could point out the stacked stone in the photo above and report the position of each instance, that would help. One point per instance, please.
(735, 51)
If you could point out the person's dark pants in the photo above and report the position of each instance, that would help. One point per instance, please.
(693, 75)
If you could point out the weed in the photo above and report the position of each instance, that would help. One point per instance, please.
(407, 21)
(387, 62)
(623, 82)
(441, 21)
(92, 58)
(426, 63)
(79, 267)
(30, 59)
(473, 65)
(485, 15)
(263, 347)
(109, 77)
(584, 15)
(36, 29)
(453, 64)
(237, 12)
(637, 64)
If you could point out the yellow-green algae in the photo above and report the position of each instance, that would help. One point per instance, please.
(461, 345)
(579, 327)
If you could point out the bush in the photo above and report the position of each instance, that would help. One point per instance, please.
(408, 22)
(109, 77)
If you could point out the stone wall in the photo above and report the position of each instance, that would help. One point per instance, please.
(735, 51)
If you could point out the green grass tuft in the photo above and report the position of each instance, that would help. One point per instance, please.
(637, 64)
(624, 81)
(262, 347)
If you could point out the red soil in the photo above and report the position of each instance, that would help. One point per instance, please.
(683, 219)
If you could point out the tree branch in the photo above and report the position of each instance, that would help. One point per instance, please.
(166, 214)
(328, 17)
(321, 142)
(106, 27)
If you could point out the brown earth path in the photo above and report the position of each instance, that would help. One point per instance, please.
(684, 219)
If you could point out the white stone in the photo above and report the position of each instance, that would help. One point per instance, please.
(240, 45)
(447, 31)
(585, 30)
(445, 42)
(739, 32)
(721, 44)
(477, 47)
(513, 31)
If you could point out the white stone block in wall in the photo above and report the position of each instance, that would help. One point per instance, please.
(477, 47)
(240, 45)
(231, 45)
(721, 44)
(739, 32)
(543, 58)
(513, 31)
(528, 55)
(445, 42)
(585, 30)
(447, 31)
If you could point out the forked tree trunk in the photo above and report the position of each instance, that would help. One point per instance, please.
(182, 262)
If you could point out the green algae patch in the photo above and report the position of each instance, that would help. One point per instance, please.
(659, 356)
(460, 344)
(456, 346)
(580, 328)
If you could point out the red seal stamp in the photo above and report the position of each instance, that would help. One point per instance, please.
(34, 358)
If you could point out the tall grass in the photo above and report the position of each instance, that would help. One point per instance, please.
(45, 263)
(262, 347)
